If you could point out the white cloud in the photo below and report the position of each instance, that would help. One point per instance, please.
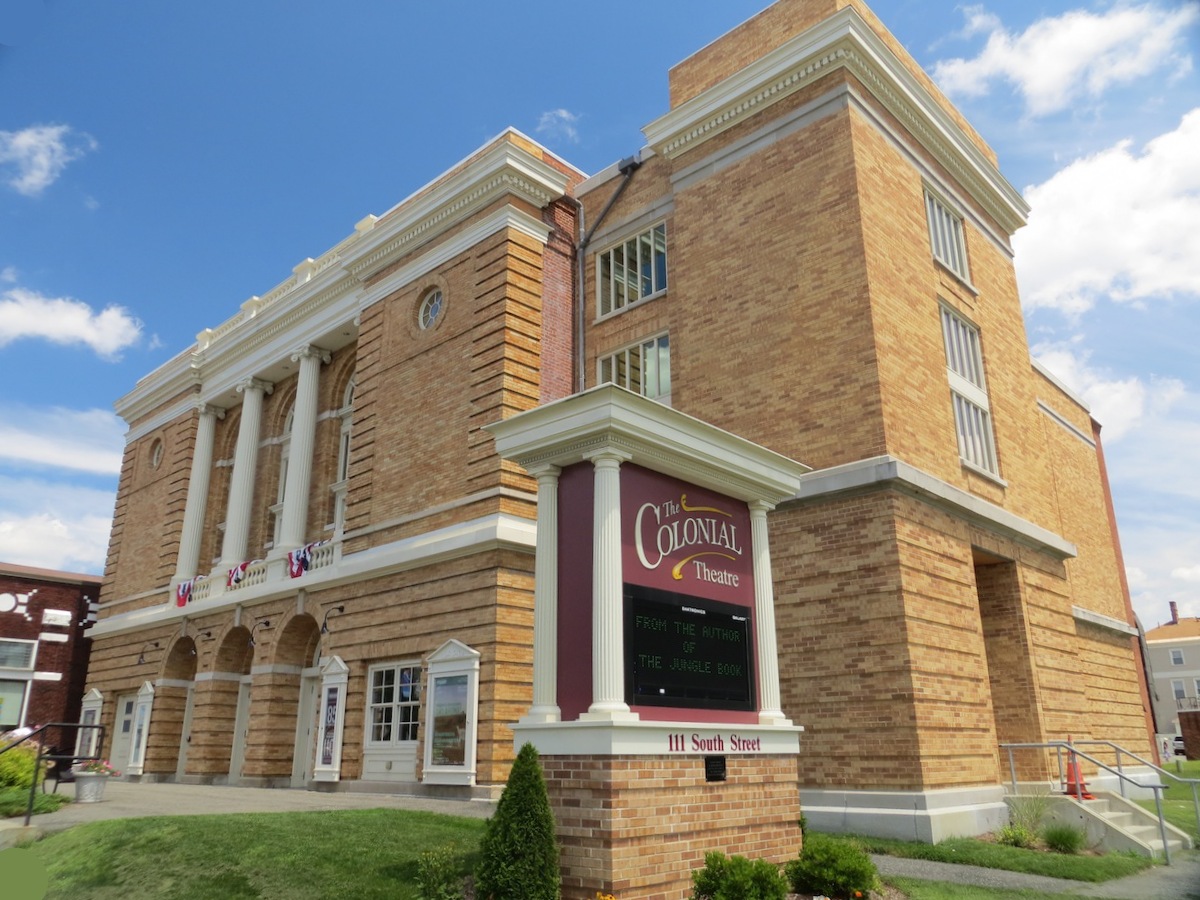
(1118, 224)
(39, 154)
(559, 124)
(8, 274)
(54, 524)
(64, 320)
(82, 440)
(1057, 61)
(1119, 404)
(1190, 573)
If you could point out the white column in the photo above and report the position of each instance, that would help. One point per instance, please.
(186, 566)
(608, 638)
(545, 601)
(300, 457)
(769, 712)
(241, 482)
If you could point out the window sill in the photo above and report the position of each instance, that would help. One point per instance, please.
(981, 471)
(962, 282)
(604, 317)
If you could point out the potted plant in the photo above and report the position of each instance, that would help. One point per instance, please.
(90, 777)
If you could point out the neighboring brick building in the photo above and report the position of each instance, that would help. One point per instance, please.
(812, 253)
(43, 644)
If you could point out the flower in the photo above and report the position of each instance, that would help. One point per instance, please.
(600, 895)
(96, 767)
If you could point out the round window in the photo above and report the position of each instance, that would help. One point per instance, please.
(431, 309)
(156, 454)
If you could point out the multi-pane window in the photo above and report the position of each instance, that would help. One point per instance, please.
(393, 703)
(342, 480)
(968, 391)
(643, 368)
(16, 654)
(285, 452)
(946, 236)
(1177, 689)
(1176, 657)
(632, 270)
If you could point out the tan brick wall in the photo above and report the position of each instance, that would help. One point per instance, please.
(638, 827)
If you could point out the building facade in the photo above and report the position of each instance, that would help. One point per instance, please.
(44, 647)
(1173, 656)
(812, 252)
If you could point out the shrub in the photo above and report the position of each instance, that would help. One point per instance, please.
(1064, 838)
(830, 866)
(16, 767)
(1016, 836)
(519, 856)
(1028, 810)
(737, 878)
(438, 875)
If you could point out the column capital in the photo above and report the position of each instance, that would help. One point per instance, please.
(256, 384)
(607, 457)
(208, 409)
(760, 506)
(544, 471)
(308, 351)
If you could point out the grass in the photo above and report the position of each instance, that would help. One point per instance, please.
(968, 851)
(1178, 808)
(337, 855)
(14, 802)
(940, 890)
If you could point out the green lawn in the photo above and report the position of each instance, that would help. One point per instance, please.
(937, 890)
(14, 802)
(1178, 808)
(353, 854)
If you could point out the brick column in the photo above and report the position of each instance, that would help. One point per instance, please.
(545, 601)
(241, 482)
(300, 458)
(187, 564)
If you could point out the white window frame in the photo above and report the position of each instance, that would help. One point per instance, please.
(968, 390)
(946, 238)
(1176, 656)
(285, 452)
(32, 645)
(652, 381)
(341, 481)
(1178, 691)
(616, 287)
(398, 667)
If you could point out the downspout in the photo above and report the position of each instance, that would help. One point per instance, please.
(626, 167)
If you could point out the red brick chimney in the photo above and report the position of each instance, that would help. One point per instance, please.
(1174, 613)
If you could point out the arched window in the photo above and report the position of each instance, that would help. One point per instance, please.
(342, 473)
(285, 447)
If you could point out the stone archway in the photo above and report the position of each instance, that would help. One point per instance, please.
(172, 700)
(285, 706)
(219, 696)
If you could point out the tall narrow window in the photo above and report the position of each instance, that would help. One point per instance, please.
(632, 270)
(644, 368)
(342, 476)
(285, 447)
(946, 236)
(968, 392)
(1176, 656)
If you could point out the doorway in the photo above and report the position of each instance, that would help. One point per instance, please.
(122, 742)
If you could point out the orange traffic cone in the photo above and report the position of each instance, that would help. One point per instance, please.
(1076, 786)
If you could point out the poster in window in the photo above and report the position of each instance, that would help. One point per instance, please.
(406, 685)
(328, 723)
(450, 720)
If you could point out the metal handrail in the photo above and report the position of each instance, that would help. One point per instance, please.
(1060, 746)
(42, 755)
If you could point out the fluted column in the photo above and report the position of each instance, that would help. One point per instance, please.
(769, 711)
(188, 561)
(241, 482)
(545, 601)
(608, 638)
(300, 457)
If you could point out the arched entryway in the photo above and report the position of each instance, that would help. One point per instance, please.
(174, 699)
(290, 688)
(221, 710)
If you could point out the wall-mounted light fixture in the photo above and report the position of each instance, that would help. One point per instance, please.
(142, 653)
(265, 623)
(333, 609)
(206, 635)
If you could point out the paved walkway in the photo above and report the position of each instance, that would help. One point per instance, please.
(123, 800)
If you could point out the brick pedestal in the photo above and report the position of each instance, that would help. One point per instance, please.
(637, 826)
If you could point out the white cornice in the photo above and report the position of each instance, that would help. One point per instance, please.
(887, 471)
(505, 169)
(568, 431)
(1102, 621)
(843, 40)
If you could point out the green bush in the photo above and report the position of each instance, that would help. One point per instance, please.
(834, 867)
(438, 874)
(16, 767)
(1064, 838)
(737, 878)
(1016, 836)
(1029, 810)
(518, 855)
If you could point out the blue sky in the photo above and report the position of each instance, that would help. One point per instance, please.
(160, 163)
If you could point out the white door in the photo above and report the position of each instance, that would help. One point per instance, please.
(306, 731)
(241, 730)
(122, 742)
(185, 738)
